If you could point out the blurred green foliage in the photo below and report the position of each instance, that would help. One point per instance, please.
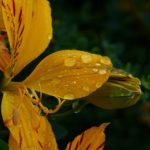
(120, 30)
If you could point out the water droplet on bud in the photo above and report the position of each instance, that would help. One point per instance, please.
(102, 71)
(69, 96)
(95, 69)
(98, 84)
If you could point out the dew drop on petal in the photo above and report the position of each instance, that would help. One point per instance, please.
(130, 75)
(102, 71)
(86, 88)
(95, 69)
(55, 81)
(66, 85)
(70, 62)
(74, 82)
(49, 37)
(42, 78)
(86, 58)
(105, 61)
(69, 96)
(98, 84)
(97, 64)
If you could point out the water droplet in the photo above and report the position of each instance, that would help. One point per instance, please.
(49, 70)
(98, 84)
(69, 96)
(55, 81)
(49, 37)
(74, 82)
(42, 78)
(86, 58)
(66, 85)
(97, 64)
(60, 76)
(102, 71)
(95, 69)
(105, 60)
(86, 88)
(130, 75)
(70, 62)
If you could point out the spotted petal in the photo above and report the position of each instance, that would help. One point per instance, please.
(4, 56)
(2, 27)
(70, 74)
(29, 27)
(28, 130)
(92, 139)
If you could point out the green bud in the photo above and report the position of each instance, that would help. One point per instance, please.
(120, 91)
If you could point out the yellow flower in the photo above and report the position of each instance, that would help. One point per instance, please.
(92, 139)
(67, 74)
(2, 27)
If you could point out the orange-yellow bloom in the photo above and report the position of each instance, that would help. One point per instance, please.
(67, 74)
(92, 139)
(2, 27)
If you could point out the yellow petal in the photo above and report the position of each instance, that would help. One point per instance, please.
(4, 55)
(92, 139)
(2, 27)
(13, 144)
(70, 74)
(29, 27)
(28, 129)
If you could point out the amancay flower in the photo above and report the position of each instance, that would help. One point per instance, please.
(66, 75)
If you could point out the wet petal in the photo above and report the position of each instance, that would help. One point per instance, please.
(28, 129)
(29, 27)
(70, 74)
(92, 139)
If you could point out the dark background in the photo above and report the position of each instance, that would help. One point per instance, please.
(121, 30)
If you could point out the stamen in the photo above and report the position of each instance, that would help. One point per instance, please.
(36, 99)
(51, 111)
